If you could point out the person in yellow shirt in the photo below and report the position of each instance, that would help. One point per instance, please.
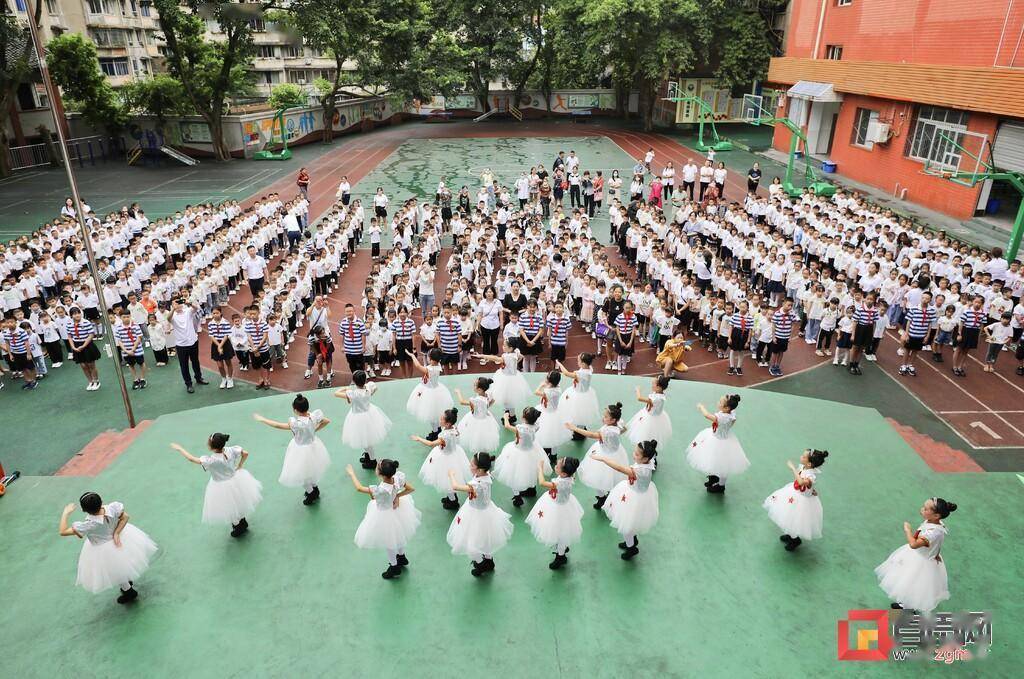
(671, 357)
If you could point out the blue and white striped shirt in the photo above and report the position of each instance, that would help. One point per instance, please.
(219, 329)
(558, 329)
(865, 315)
(257, 331)
(741, 321)
(782, 322)
(973, 319)
(531, 324)
(127, 335)
(404, 330)
(353, 333)
(449, 330)
(625, 323)
(919, 321)
(81, 331)
(16, 340)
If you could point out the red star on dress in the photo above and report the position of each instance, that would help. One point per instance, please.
(540, 515)
(623, 498)
(790, 500)
(693, 445)
(458, 519)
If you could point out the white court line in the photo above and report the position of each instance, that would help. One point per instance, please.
(242, 183)
(169, 181)
(979, 412)
(19, 177)
(969, 395)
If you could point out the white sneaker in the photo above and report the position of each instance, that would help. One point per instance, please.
(901, 352)
(308, 374)
(871, 357)
(90, 387)
(231, 383)
(223, 383)
(97, 386)
(928, 347)
(284, 364)
(57, 364)
(394, 364)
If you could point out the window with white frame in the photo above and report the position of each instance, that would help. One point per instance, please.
(115, 66)
(844, 3)
(266, 51)
(297, 76)
(53, 7)
(934, 129)
(834, 52)
(95, 6)
(861, 122)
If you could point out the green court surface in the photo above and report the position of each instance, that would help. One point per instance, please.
(417, 165)
(32, 197)
(712, 593)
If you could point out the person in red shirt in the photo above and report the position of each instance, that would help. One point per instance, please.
(303, 182)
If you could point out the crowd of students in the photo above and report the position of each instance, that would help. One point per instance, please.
(525, 268)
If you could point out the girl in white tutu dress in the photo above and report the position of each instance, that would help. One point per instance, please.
(556, 518)
(232, 492)
(632, 505)
(115, 552)
(716, 451)
(480, 528)
(306, 458)
(478, 430)
(382, 526)
(516, 467)
(914, 576)
(579, 402)
(595, 474)
(366, 425)
(795, 508)
(430, 398)
(510, 389)
(446, 455)
(406, 505)
(651, 422)
(551, 431)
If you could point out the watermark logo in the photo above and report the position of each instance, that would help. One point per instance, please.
(883, 635)
(871, 636)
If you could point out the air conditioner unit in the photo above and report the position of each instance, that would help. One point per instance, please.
(309, 62)
(878, 132)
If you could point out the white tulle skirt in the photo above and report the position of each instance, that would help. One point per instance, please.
(479, 531)
(516, 467)
(646, 427)
(227, 502)
(795, 513)
(304, 464)
(551, 431)
(598, 476)
(511, 392)
(434, 471)
(555, 524)
(364, 430)
(630, 511)
(913, 580)
(580, 408)
(102, 567)
(408, 513)
(383, 529)
(713, 456)
(427, 404)
(479, 434)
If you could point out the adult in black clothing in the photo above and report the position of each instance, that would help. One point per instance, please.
(559, 161)
(620, 238)
(612, 307)
(515, 301)
(753, 178)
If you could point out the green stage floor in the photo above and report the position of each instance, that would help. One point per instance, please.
(712, 594)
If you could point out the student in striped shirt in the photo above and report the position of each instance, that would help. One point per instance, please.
(221, 350)
(15, 343)
(919, 322)
(625, 336)
(558, 325)
(404, 328)
(258, 332)
(353, 335)
(449, 336)
(864, 316)
(782, 330)
(971, 321)
(81, 341)
(129, 338)
(739, 337)
(531, 335)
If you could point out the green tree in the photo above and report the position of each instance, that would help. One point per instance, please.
(566, 59)
(75, 67)
(160, 95)
(210, 71)
(287, 95)
(18, 64)
(646, 40)
(748, 41)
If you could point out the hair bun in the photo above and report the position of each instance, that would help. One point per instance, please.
(951, 506)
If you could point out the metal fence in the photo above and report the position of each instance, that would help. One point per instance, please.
(83, 151)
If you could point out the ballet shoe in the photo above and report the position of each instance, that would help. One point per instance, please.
(449, 503)
(237, 530)
(785, 538)
(559, 561)
(477, 570)
(600, 501)
(529, 492)
(402, 560)
(128, 596)
(518, 500)
(712, 480)
(895, 607)
(717, 489)
(391, 572)
(367, 462)
(623, 545)
(487, 564)
(630, 553)
(793, 544)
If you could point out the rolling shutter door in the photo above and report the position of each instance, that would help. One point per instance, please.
(1008, 149)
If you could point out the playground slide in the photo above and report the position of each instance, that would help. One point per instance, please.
(177, 155)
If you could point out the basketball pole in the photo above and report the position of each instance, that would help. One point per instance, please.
(51, 92)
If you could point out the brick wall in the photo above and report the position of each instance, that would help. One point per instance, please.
(915, 31)
(885, 166)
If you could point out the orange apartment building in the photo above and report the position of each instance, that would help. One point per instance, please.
(879, 85)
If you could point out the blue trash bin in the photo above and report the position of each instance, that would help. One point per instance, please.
(993, 205)
(828, 167)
